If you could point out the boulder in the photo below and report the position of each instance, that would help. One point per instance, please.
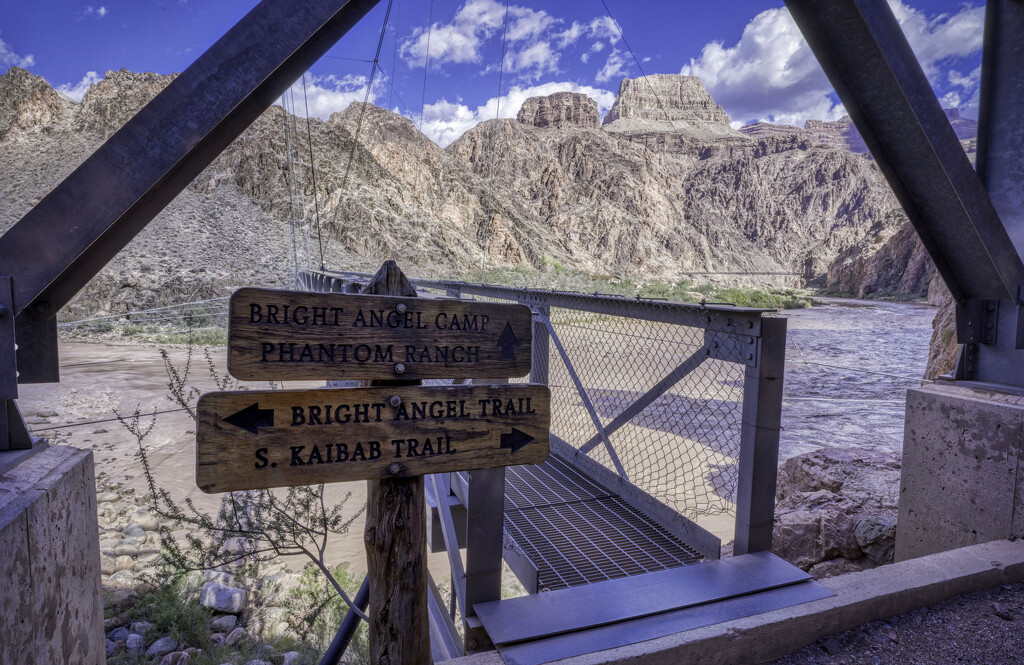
(135, 643)
(876, 537)
(162, 647)
(118, 634)
(224, 624)
(290, 658)
(837, 503)
(234, 636)
(223, 598)
(111, 647)
(806, 537)
(175, 658)
(133, 530)
(141, 627)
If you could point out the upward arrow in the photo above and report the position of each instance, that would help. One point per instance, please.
(508, 343)
(252, 418)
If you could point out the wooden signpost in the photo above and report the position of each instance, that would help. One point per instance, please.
(294, 335)
(256, 440)
(391, 431)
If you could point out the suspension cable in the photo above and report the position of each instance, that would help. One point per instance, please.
(312, 168)
(494, 150)
(359, 123)
(426, 63)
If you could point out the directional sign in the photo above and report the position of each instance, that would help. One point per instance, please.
(255, 440)
(286, 335)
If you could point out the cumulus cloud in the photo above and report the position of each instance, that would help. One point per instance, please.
(98, 12)
(325, 95)
(529, 50)
(8, 58)
(77, 90)
(445, 121)
(771, 74)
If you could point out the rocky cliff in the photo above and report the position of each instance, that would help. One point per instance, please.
(663, 188)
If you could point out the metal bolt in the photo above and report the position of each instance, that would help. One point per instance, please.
(3, 311)
(400, 368)
(473, 644)
(395, 400)
(42, 307)
(991, 307)
(395, 468)
(401, 308)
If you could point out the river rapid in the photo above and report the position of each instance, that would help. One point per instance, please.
(849, 364)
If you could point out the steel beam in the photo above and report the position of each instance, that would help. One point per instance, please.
(759, 441)
(62, 242)
(993, 331)
(870, 64)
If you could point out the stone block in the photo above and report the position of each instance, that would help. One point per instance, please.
(50, 577)
(960, 481)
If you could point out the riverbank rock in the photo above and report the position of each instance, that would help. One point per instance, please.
(222, 598)
(837, 505)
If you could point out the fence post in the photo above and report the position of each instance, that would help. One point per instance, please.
(541, 349)
(485, 528)
(759, 440)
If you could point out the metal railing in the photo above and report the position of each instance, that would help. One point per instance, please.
(675, 407)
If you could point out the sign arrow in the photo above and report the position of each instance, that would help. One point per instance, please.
(515, 440)
(508, 343)
(252, 418)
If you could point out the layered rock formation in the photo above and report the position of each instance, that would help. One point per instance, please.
(562, 109)
(663, 188)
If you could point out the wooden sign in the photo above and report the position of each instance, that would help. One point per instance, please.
(255, 440)
(294, 335)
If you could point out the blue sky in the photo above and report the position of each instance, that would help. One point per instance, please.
(748, 52)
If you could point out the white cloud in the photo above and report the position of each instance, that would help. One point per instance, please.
(98, 12)
(8, 58)
(614, 66)
(968, 81)
(461, 40)
(77, 90)
(943, 36)
(325, 95)
(445, 121)
(771, 74)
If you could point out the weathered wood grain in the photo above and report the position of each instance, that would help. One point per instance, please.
(396, 540)
(295, 335)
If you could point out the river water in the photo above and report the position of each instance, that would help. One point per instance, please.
(849, 364)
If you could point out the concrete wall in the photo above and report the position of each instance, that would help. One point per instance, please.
(51, 610)
(962, 478)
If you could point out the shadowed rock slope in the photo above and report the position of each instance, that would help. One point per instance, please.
(663, 188)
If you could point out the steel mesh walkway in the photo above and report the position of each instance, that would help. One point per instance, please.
(576, 531)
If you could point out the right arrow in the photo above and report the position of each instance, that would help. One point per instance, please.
(252, 418)
(515, 440)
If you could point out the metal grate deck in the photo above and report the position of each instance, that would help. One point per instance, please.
(577, 532)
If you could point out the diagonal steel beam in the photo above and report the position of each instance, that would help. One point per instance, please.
(645, 400)
(867, 58)
(59, 245)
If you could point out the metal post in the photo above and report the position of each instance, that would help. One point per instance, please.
(759, 440)
(348, 627)
(541, 349)
(485, 519)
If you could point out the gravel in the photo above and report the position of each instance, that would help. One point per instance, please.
(982, 628)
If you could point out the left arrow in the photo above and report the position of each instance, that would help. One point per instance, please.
(252, 418)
